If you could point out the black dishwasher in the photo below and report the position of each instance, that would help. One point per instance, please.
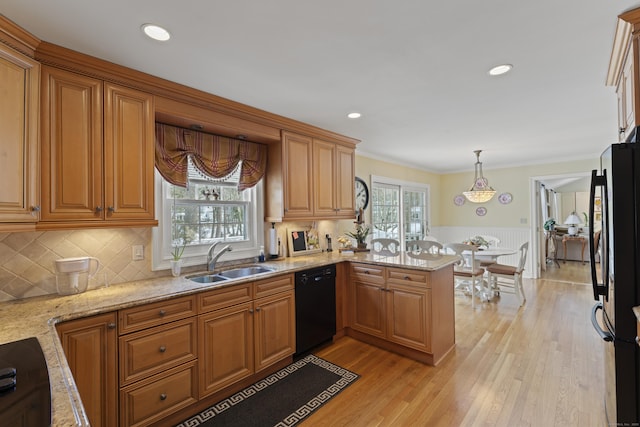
(315, 307)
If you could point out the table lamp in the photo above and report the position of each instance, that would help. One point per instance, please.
(572, 221)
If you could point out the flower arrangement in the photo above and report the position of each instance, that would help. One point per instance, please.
(178, 250)
(477, 241)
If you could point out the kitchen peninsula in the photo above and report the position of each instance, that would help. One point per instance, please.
(38, 317)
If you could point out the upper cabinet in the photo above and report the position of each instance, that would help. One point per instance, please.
(310, 178)
(97, 148)
(623, 73)
(19, 86)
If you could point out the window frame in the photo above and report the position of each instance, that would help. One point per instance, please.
(197, 254)
(402, 186)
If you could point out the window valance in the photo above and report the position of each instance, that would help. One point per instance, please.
(214, 155)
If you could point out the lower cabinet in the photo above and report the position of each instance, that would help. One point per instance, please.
(90, 346)
(396, 309)
(252, 331)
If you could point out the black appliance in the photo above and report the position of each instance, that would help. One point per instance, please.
(25, 396)
(617, 289)
(315, 307)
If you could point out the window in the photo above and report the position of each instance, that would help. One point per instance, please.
(207, 211)
(400, 210)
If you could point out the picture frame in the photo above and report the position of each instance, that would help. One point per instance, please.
(299, 243)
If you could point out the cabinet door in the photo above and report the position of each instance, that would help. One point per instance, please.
(298, 181)
(345, 182)
(408, 316)
(90, 345)
(368, 309)
(324, 178)
(19, 86)
(225, 347)
(71, 147)
(275, 334)
(128, 153)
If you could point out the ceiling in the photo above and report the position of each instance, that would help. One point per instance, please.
(415, 69)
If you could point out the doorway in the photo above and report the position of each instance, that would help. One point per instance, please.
(566, 193)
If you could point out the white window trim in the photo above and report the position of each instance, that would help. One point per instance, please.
(411, 185)
(197, 255)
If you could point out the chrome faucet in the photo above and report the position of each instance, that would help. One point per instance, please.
(211, 258)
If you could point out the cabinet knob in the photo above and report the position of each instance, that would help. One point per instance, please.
(251, 311)
(621, 130)
(35, 208)
(162, 349)
(98, 209)
(407, 278)
(163, 396)
(257, 308)
(162, 313)
(111, 325)
(366, 272)
(111, 209)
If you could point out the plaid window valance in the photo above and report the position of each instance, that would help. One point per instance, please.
(215, 156)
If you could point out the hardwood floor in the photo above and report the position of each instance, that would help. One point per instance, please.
(538, 365)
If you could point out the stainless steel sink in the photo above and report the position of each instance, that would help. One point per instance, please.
(251, 270)
(233, 273)
(207, 278)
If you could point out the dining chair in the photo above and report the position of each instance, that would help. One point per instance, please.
(467, 273)
(425, 249)
(385, 247)
(508, 278)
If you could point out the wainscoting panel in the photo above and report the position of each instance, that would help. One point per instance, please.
(510, 237)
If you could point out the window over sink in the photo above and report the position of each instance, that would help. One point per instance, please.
(209, 210)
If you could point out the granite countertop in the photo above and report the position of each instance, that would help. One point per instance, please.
(37, 317)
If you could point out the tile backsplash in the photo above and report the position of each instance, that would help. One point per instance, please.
(27, 259)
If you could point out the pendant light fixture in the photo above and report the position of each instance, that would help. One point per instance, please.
(480, 191)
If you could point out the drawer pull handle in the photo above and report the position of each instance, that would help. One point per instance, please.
(162, 313)
(163, 396)
(407, 278)
(111, 325)
(163, 349)
(366, 272)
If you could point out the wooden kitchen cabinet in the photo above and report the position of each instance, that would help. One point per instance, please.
(407, 311)
(97, 148)
(91, 347)
(333, 180)
(310, 178)
(19, 86)
(252, 331)
(158, 352)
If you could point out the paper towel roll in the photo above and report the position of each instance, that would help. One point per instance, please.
(273, 243)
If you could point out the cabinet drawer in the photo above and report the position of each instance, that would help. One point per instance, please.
(159, 313)
(274, 285)
(151, 351)
(155, 398)
(368, 273)
(224, 297)
(407, 277)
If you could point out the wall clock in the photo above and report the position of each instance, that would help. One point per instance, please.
(362, 194)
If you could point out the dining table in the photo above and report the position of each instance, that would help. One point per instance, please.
(493, 253)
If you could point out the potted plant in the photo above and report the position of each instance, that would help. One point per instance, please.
(360, 234)
(176, 253)
(549, 224)
(477, 241)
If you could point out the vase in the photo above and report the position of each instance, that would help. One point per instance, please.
(176, 266)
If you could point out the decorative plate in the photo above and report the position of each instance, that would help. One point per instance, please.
(459, 200)
(505, 198)
(481, 211)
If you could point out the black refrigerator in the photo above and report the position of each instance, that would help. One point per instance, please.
(616, 283)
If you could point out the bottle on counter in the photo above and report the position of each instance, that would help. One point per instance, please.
(261, 256)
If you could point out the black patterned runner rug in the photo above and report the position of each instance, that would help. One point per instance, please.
(282, 399)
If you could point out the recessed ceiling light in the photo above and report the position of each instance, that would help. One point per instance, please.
(354, 115)
(500, 69)
(156, 32)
